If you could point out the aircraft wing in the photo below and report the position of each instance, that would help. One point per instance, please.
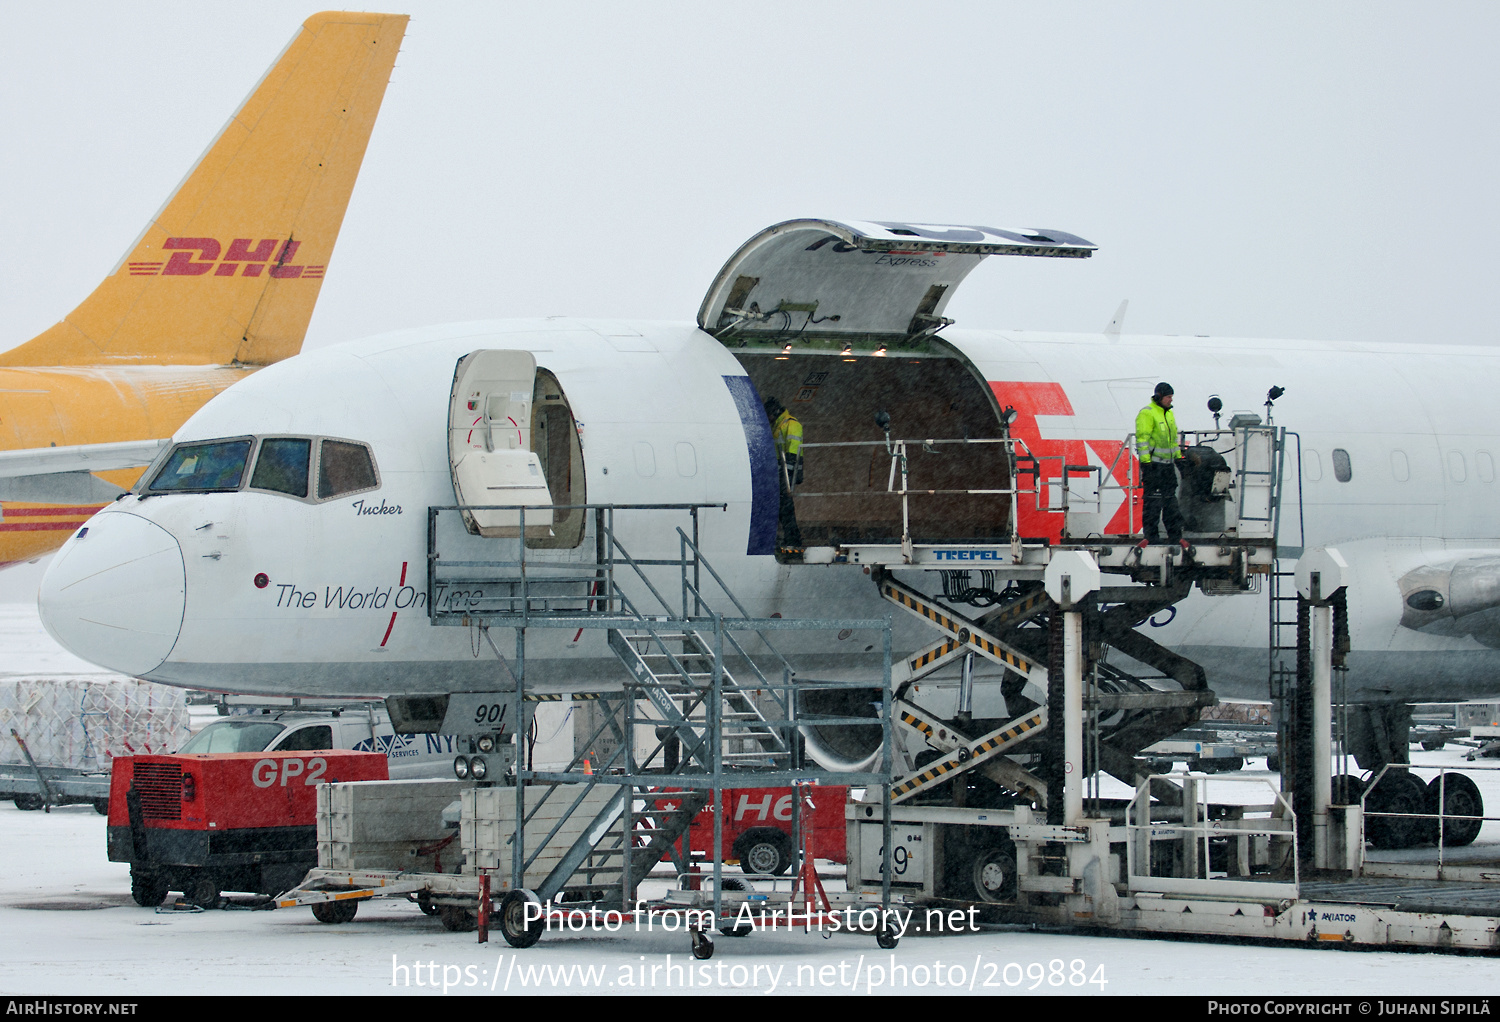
(36, 461)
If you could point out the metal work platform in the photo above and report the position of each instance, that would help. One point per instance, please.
(1232, 493)
(710, 716)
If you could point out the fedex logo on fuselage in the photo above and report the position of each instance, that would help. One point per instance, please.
(1031, 401)
(197, 257)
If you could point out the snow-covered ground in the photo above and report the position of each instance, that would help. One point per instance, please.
(68, 926)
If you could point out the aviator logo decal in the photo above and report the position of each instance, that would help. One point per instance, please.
(264, 257)
(1031, 400)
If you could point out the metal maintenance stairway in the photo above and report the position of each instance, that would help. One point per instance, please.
(598, 857)
(680, 685)
(595, 828)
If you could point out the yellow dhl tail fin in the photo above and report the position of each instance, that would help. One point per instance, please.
(229, 270)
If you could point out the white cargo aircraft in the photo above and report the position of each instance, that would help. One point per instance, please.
(280, 546)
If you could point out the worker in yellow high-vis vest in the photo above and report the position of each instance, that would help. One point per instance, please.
(786, 433)
(1158, 446)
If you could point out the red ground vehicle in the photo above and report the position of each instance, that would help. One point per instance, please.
(238, 821)
(758, 827)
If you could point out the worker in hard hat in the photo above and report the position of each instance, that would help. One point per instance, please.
(786, 433)
(1159, 449)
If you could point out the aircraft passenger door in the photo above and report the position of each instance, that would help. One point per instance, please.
(489, 443)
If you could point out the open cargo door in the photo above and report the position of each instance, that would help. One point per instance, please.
(823, 283)
(839, 322)
(489, 443)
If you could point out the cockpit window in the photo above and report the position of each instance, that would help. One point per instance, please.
(344, 468)
(282, 466)
(212, 466)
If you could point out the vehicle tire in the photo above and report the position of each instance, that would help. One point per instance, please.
(514, 927)
(738, 885)
(1273, 763)
(1433, 744)
(1399, 791)
(458, 919)
(335, 912)
(1347, 789)
(203, 892)
(765, 852)
(994, 873)
(703, 947)
(424, 902)
(148, 891)
(101, 806)
(28, 803)
(886, 940)
(1461, 798)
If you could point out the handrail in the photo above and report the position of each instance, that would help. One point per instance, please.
(1282, 827)
(1442, 815)
(700, 559)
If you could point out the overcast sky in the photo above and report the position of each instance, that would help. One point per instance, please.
(1297, 169)
(1289, 170)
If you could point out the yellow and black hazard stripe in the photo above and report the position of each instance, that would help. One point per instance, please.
(1020, 610)
(937, 652)
(899, 595)
(964, 756)
(963, 629)
(911, 720)
(1000, 653)
(1009, 735)
(932, 773)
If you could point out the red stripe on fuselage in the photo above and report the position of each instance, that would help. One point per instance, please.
(39, 526)
(21, 512)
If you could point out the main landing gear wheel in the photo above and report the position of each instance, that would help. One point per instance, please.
(514, 927)
(1400, 792)
(1460, 798)
(1346, 789)
(703, 948)
(335, 912)
(147, 890)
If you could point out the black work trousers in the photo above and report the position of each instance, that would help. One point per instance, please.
(1159, 483)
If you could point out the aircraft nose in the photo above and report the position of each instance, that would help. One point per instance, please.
(114, 594)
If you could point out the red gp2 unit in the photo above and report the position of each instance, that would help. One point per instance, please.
(758, 827)
(239, 821)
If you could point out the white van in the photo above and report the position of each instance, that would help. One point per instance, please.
(264, 725)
